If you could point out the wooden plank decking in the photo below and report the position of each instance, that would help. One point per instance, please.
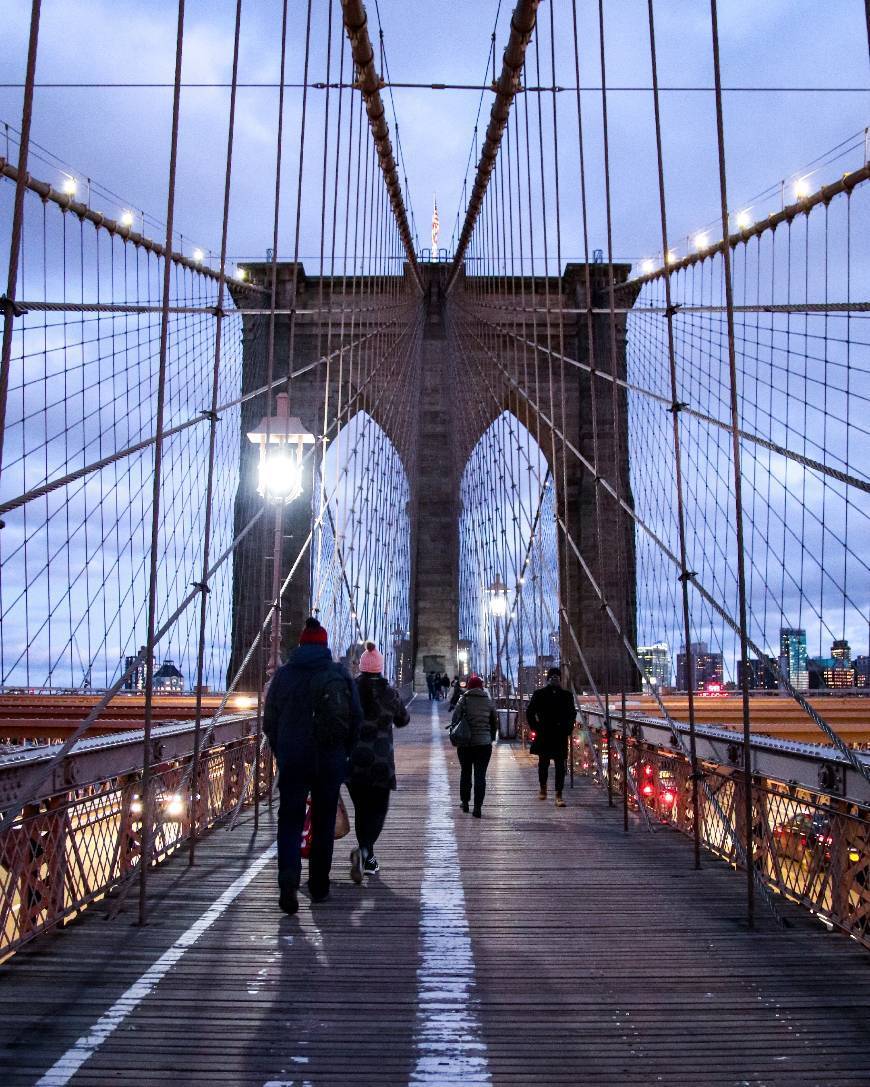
(535, 946)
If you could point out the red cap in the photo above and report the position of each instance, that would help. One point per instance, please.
(474, 683)
(313, 633)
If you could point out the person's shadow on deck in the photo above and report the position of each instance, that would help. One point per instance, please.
(336, 995)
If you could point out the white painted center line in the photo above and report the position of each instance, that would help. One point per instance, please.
(448, 1036)
(63, 1070)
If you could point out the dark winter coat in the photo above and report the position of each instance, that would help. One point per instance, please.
(551, 713)
(288, 719)
(372, 761)
(481, 714)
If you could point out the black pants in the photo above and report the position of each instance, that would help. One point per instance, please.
(473, 758)
(370, 806)
(544, 769)
(321, 774)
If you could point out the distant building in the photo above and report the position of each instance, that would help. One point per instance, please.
(839, 678)
(705, 667)
(168, 679)
(528, 678)
(862, 671)
(535, 675)
(793, 657)
(139, 676)
(829, 673)
(655, 663)
(762, 676)
(555, 650)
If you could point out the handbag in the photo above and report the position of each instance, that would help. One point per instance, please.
(460, 731)
(342, 824)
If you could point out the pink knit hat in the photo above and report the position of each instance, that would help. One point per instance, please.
(371, 661)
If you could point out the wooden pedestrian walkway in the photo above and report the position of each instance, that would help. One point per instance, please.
(533, 947)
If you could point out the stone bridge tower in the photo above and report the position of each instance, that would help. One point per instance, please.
(434, 458)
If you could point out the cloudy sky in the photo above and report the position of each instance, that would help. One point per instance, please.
(119, 137)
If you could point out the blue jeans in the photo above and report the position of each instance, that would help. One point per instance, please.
(321, 774)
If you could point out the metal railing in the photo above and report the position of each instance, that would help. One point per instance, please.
(810, 844)
(83, 841)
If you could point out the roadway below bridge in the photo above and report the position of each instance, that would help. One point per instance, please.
(51, 717)
(535, 946)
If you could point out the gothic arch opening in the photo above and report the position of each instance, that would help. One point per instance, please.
(361, 550)
(508, 560)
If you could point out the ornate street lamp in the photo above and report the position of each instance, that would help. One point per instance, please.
(498, 609)
(463, 655)
(281, 439)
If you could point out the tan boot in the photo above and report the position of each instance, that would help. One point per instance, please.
(542, 795)
(560, 803)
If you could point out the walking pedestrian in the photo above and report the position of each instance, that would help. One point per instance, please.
(430, 684)
(445, 685)
(455, 692)
(551, 714)
(479, 711)
(372, 763)
(311, 719)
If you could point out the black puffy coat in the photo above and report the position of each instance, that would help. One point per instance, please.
(551, 713)
(372, 761)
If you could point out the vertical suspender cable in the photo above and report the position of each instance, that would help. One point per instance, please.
(147, 799)
(738, 492)
(10, 310)
(678, 466)
(212, 438)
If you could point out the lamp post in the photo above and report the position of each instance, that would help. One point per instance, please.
(498, 609)
(281, 439)
(398, 635)
(463, 656)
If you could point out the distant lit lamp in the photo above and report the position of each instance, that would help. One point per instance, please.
(802, 188)
(198, 256)
(281, 439)
(701, 240)
(70, 186)
(127, 219)
(647, 267)
(744, 219)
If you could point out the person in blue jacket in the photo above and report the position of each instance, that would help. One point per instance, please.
(311, 719)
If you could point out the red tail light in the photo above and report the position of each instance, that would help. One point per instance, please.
(532, 734)
(668, 797)
(647, 790)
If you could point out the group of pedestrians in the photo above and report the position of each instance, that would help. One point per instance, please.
(550, 714)
(437, 684)
(327, 729)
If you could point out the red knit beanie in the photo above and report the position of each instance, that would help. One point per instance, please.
(474, 683)
(313, 633)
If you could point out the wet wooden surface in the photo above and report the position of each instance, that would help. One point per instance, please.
(535, 946)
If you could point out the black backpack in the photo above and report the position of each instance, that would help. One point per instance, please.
(331, 708)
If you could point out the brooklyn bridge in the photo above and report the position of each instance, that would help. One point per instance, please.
(605, 422)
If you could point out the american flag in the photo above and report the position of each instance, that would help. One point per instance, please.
(436, 228)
